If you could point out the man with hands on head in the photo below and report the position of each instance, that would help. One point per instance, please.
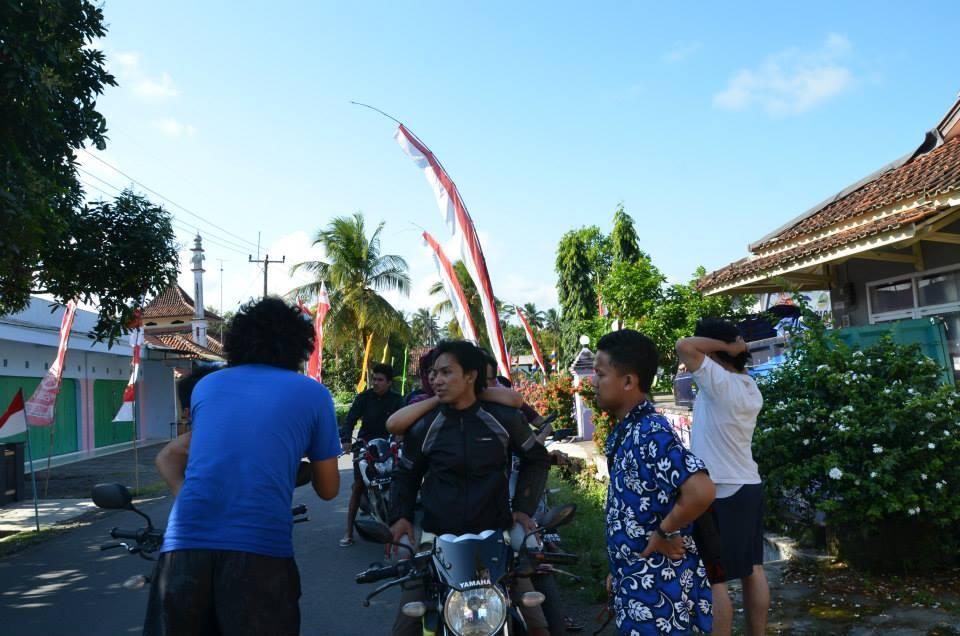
(465, 442)
(657, 489)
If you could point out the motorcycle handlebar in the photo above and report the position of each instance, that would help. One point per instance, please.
(299, 510)
(373, 575)
(120, 533)
(557, 558)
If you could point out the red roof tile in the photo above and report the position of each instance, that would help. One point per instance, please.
(183, 342)
(746, 267)
(174, 301)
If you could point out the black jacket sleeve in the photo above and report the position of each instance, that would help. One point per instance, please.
(350, 420)
(408, 474)
(534, 463)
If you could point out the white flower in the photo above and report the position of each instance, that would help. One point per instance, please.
(946, 433)
(931, 445)
(913, 511)
(857, 354)
(940, 485)
(873, 474)
(842, 428)
(877, 449)
(923, 476)
(931, 416)
(887, 391)
(823, 366)
(806, 442)
(835, 473)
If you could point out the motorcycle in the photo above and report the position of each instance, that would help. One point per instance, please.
(376, 460)
(146, 541)
(467, 578)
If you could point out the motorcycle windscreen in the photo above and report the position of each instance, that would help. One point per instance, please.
(464, 560)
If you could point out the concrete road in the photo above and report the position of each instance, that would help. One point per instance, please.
(66, 586)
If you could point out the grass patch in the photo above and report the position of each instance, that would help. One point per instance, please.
(21, 540)
(586, 535)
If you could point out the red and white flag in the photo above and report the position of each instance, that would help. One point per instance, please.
(13, 421)
(315, 364)
(125, 414)
(461, 226)
(39, 408)
(533, 342)
(448, 277)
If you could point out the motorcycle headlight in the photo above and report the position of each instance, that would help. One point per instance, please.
(480, 611)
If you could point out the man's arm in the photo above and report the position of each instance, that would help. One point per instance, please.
(402, 419)
(172, 462)
(696, 495)
(534, 463)
(407, 477)
(692, 351)
(325, 477)
(350, 420)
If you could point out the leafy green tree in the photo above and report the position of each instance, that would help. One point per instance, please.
(534, 316)
(107, 253)
(624, 244)
(632, 289)
(575, 288)
(356, 272)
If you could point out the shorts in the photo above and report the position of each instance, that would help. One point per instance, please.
(200, 592)
(739, 520)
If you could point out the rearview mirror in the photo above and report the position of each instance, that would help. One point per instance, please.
(373, 531)
(559, 516)
(112, 497)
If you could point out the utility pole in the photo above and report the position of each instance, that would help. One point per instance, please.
(221, 299)
(266, 264)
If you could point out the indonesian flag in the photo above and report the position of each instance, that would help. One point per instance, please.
(125, 414)
(315, 365)
(448, 277)
(13, 421)
(533, 342)
(39, 408)
(461, 226)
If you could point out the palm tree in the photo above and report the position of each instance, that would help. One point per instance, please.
(534, 316)
(423, 328)
(551, 321)
(356, 272)
(444, 307)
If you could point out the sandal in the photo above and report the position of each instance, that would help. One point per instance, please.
(346, 542)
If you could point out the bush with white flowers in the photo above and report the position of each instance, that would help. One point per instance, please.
(861, 436)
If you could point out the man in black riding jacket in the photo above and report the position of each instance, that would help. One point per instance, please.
(461, 454)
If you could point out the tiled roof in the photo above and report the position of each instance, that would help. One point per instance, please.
(930, 174)
(183, 342)
(746, 267)
(174, 301)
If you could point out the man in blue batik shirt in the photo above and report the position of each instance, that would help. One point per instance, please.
(657, 489)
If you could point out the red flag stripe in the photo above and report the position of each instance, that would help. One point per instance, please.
(532, 340)
(461, 310)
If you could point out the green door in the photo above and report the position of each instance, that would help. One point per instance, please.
(107, 398)
(64, 427)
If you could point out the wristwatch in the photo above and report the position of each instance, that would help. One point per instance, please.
(667, 535)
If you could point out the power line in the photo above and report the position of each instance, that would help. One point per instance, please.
(169, 200)
(217, 240)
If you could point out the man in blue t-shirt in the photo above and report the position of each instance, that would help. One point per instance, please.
(226, 565)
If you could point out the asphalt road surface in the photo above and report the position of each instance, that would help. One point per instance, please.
(67, 586)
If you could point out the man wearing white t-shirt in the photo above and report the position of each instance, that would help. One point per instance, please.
(724, 417)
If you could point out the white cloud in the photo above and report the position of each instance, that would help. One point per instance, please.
(681, 51)
(149, 88)
(792, 81)
(173, 128)
(129, 72)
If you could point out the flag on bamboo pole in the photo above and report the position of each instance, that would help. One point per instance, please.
(125, 414)
(39, 408)
(315, 365)
(13, 421)
(461, 227)
(362, 384)
(451, 285)
(533, 342)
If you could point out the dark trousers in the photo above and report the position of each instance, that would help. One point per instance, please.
(222, 592)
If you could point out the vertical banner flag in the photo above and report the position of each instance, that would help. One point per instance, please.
(13, 421)
(315, 364)
(461, 226)
(39, 408)
(125, 414)
(533, 342)
(448, 278)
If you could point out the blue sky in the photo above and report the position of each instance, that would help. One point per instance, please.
(712, 125)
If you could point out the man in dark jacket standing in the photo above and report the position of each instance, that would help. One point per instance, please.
(371, 408)
(461, 453)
